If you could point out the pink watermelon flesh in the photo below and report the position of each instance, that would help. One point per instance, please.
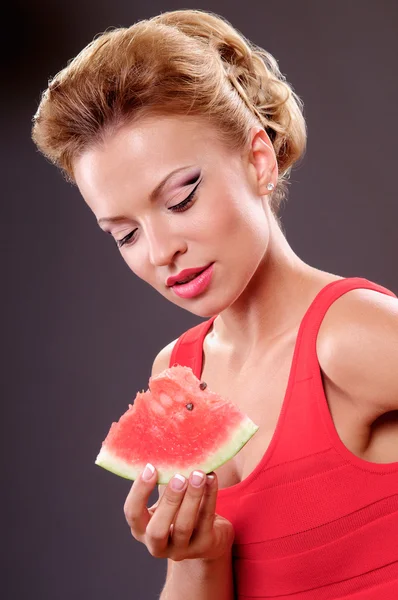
(177, 427)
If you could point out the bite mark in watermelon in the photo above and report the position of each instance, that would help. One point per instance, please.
(177, 426)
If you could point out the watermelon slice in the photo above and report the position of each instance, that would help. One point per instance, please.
(178, 425)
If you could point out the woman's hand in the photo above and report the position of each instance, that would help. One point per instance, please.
(182, 523)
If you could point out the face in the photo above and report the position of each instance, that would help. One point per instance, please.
(209, 213)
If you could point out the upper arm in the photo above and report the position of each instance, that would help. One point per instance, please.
(357, 348)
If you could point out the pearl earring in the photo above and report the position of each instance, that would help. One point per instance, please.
(270, 186)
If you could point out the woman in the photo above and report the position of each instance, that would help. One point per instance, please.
(181, 135)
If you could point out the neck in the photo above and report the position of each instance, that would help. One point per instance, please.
(274, 302)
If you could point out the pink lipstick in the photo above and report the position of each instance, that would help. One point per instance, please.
(196, 286)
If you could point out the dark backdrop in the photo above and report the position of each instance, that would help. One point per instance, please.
(80, 331)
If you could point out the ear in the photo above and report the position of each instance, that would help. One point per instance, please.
(262, 160)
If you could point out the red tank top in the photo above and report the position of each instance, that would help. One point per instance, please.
(312, 521)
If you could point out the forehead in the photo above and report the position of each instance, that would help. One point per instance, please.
(143, 151)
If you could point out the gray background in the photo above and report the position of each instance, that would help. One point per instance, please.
(80, 331)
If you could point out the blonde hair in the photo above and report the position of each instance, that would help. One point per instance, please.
(183, 62)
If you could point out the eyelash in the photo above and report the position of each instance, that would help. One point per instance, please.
(184, 205)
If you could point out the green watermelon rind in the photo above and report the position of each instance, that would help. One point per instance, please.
(238, 437)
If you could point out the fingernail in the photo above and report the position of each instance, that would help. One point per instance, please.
(148, 472)
(178, 482)
(210, 479)
(197, 478)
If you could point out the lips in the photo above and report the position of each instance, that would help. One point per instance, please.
(187, 279)
(183, 275)
(197, 286)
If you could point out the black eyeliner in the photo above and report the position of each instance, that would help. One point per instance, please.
(187, 199)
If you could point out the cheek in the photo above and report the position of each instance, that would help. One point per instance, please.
(246, 221)
(221, 218)
(137, 261)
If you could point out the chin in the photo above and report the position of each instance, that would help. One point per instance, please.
(205, 306)
(203, 310)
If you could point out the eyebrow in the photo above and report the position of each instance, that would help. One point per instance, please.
(152, 197)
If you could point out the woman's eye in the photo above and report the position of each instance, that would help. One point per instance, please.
(121, 242)
(187, 202)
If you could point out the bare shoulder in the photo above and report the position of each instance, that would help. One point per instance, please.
(357, 348)
(356, 317)
(162, 359)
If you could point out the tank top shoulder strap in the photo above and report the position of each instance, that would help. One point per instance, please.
(307, 361)
(188, 349)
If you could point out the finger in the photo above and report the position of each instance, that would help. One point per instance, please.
(207, 509)
(186, 517)
(135, 506)
(152, 508)
(161, 489)
(158, 529)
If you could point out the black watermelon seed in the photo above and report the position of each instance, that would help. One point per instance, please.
(203, 385)
(189, 406)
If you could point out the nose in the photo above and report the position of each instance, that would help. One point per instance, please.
(163, 245)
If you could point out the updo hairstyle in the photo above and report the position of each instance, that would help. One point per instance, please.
(183, 62)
